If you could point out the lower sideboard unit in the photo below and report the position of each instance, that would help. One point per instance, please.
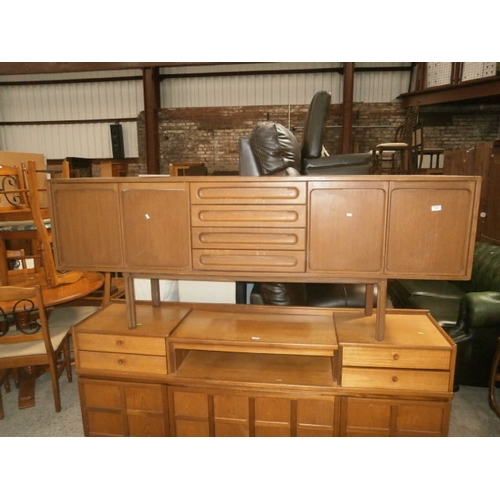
(239, 370)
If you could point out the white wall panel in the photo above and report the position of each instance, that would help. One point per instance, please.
(249, 90)
(92, 140)
(111, 100)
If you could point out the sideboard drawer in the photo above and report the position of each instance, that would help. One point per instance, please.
(237, 216)
(251, 237)
(385, 378)
(396, 357)
(249, 260)
(123, 363)
(121, 344)
(249, 193)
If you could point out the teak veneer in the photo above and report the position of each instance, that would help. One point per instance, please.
(364, 229)
(240, 370)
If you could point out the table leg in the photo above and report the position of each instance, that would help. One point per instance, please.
(27, 379)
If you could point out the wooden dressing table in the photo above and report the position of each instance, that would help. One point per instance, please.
(193, 369)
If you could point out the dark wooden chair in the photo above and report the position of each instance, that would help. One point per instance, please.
(396, 157)
(420, 152)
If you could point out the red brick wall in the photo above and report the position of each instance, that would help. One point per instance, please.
(211, 134)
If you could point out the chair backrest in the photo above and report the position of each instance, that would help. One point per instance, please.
(25, 323)
(313, 135)
(13, 193)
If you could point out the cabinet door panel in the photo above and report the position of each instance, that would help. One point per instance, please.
(87, 230)
(156, 227)
(347, 230)
(430, 230)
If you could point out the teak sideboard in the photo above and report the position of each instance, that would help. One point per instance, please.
(192, 369)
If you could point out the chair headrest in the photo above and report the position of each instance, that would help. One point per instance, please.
(275, 148)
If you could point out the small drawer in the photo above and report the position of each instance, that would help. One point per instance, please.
(249, 260)
(249, 238)
(385, 378)
(121, 344)
(256, 193)
(123, 363)
(283, 216)
(424, 359)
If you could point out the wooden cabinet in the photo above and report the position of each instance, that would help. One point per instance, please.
(362, 417)
(235, 370)
(113, 408)
(219, 370)
(205, 413)
(293, 229)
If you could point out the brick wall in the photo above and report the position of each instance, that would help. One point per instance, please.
(211, 135)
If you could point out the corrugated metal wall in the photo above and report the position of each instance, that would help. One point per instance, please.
(113, 101)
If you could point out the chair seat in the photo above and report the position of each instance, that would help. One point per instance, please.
(57, 335)
(72, 315)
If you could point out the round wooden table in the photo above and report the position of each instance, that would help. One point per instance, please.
(78, 285)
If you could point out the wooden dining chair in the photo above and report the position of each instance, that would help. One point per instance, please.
(396, 157)
(25, 215)
(28, 338)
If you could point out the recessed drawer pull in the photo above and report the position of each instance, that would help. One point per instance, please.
(395, 356)
(395, 378)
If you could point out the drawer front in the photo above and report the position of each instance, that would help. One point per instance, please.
(425, 359)
(385, 378)
(249, 238)
(258, 193)
(248, 260)
(121, 344)
(122, 363)
(248, 216)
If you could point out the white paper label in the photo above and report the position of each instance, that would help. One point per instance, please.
(436, 208)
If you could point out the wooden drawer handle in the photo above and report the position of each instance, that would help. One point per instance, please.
(395, 378)
(395, 356)
(119, 343)
(121, 361)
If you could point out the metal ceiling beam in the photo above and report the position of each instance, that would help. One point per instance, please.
(28, 68)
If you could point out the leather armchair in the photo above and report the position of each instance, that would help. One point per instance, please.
(308, 156)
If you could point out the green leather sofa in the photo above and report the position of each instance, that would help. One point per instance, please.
(468, 310)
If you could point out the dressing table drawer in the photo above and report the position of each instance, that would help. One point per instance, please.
(386, 378)
(121, 344)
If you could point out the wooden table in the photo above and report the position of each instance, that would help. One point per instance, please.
(88, 282)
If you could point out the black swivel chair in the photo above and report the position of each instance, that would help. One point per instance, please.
(266, 144)
(272, 149)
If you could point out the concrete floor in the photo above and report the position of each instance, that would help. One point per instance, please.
(470, 416)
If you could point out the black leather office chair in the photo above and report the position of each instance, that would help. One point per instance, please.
(271, 148)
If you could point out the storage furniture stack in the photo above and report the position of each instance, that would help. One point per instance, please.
(220, 370)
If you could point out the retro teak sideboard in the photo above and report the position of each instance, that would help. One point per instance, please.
(178, 369)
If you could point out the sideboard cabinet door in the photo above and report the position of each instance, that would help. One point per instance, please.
(347, 226)
(432, 229)
(86, 226)
(156, 226)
